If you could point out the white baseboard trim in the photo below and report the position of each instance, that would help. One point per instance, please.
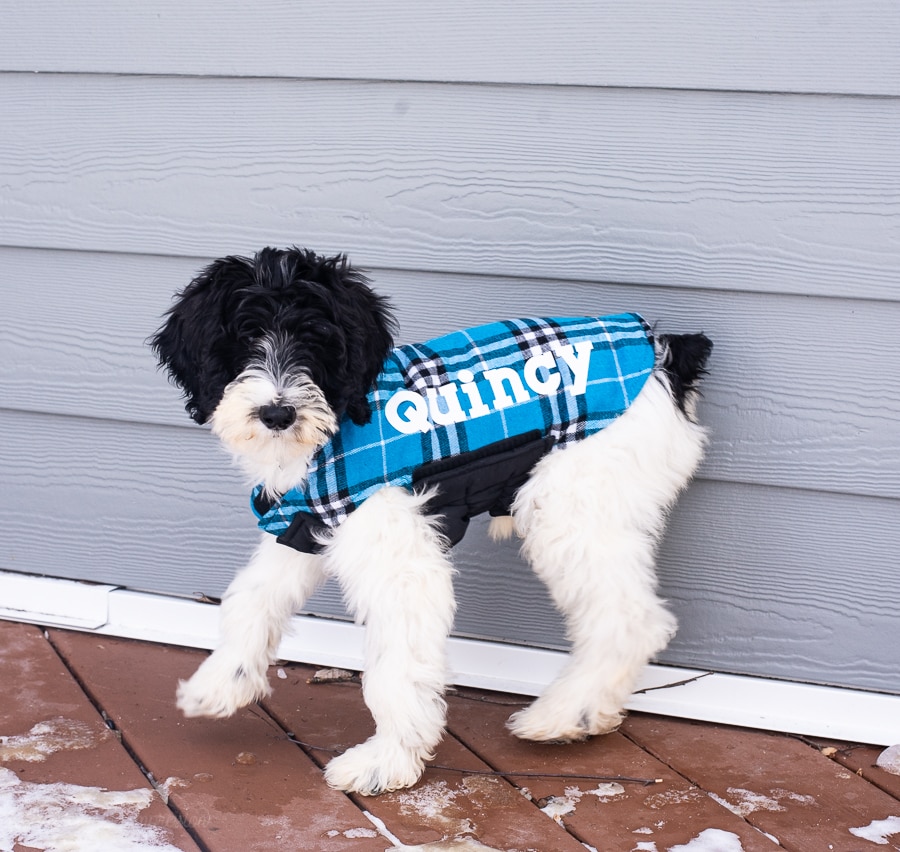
(753, 702)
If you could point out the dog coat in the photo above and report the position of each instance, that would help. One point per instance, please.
(471, 413)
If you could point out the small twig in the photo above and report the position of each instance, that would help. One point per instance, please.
(829, 751)
(483, 699)
(684, 682)
(311, 747)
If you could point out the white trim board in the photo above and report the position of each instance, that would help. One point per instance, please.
(754, 702)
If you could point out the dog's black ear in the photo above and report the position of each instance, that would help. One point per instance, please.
(193, 344)
(368, 326)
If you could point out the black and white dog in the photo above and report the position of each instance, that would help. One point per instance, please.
(283, 354)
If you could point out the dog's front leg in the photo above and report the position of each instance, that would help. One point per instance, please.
(397, 578)
(254, 613)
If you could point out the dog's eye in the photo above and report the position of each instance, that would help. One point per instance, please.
(320, 328)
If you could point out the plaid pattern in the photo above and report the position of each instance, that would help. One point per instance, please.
(359, 460)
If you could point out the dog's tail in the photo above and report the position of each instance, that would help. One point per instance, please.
(683, 357)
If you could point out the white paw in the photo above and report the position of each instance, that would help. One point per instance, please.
(547, 721)
(376, 766)
(221, 686)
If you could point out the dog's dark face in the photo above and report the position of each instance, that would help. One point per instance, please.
(277, 347)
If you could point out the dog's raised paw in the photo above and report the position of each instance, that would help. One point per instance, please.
(536, 724)
(219, 688)
(373, 767)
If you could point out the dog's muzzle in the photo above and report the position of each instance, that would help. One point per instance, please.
(277, 417)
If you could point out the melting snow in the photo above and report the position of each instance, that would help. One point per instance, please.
(558, 806)
(748, 802)
(49, 737)
(382, 828)
(457, 844)
(70, 818)
(878, 831)
(352, 833)
(171, 783)
(436, 804)
(889, 760)
(711, 840)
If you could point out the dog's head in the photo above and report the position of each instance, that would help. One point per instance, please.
(274, 350)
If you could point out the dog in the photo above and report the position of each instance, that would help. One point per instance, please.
(289, 356)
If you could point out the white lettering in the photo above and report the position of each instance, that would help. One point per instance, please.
(411, 413)
(477, 408)
(453, 412)
(547, 386)
(579, 361)
(414, 418)
(501, 398)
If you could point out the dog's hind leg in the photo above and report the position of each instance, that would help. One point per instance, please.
(591, 515)
(254, 613)
(397, 578)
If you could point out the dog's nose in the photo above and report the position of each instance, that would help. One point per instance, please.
(277, 417)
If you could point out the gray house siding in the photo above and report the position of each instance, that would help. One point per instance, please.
(733, 170)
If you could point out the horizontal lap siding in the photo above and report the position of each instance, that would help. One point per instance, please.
(768, 45)
(608, 165)
(690, 189)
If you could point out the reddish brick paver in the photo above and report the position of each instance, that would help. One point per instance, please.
(861, 759)
(778, 784)
(55, 745)
(239, 783)
(444, 804)
(610, 816)
(106, 719)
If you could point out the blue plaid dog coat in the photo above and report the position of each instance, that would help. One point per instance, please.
(470, 412)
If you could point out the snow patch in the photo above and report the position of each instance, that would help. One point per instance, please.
(173, 782)
(49, 737)
(878, 831)
(558, 806)
(70, 818)
(352, 833)
(457, 844)
(382, 828)
(435, 803)
(657, 801)
(711, 840)
(645, 846)
(748, 802)
(889, 760)
(360, 832)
